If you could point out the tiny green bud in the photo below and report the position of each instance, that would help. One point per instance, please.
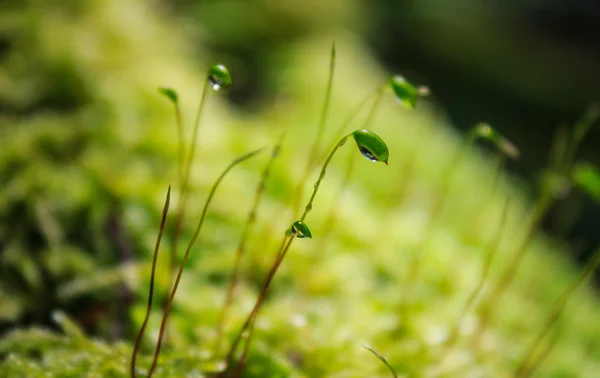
(300, 230)
(371, 146)
(587, 177)
(169, 93)
(406, 92)
(219, 77)
(485, 131)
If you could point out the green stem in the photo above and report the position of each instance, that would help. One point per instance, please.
(279, 259)
(556, 311)
(330, 220)
(312, 156)
(539, 211)
(376, 103)
(284, 246)
(182, 204)
(416, 262)
(382, 359)
(187, 255)
(308, 207)
(138, 341)
(181, 147)
(316, 144)
(493, 249)
(263, 295)
(250, 220)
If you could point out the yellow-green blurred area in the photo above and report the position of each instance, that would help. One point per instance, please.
(88, 148)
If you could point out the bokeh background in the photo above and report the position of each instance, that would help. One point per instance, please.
(88, 147)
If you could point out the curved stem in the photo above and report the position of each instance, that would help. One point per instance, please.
(414, 269)
(182, 204)
(376, 103)
(382, 359)
(242, 244)
(187, 254)
(278, 260)
(493, 249)
(510, 271)
(316, 144)
(358, 108)
(181, 147)
(261, 299)
(138, 341)
(308, 207)
(262, 294)
(312, 156)
(556, 311)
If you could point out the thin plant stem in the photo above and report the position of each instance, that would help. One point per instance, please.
(181, 146)
(250, 220)
(579, 132)
(282, 251)
(261, 299)
(344, 125)
(555, 313)
(329, 221)
(493, 249)
(308, 207)
(187, 255)
(562, 161)
(182, 204)
(506, 278)
(416, 262)
(138, 341)
(278, 258)
(548, 348)
(382, 359)
(374, 108)
(312, 156)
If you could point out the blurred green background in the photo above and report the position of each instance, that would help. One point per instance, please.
(88, 147)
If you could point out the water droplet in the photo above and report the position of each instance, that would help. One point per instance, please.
(368, 154)
(219, 77)
(300, 230)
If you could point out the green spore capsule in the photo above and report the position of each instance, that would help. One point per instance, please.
(219, 77)
(406, 92)
(300, 230)
(371, 146)
(169, 93)
(487, 132)
(587, 177)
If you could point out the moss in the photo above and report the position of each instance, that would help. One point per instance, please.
(118, 151)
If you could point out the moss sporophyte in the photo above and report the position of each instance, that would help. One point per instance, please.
(373, 148)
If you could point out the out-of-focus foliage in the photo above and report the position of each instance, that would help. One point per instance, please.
(85, 170)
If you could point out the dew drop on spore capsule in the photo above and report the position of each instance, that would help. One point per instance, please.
(219, 77)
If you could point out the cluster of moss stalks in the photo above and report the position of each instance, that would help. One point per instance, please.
(230, 353)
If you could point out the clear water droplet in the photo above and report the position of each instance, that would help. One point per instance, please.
(214, 83)
(368, 154)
